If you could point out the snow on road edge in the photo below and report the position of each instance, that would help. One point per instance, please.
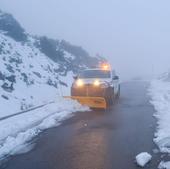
(17, 132)
(160, 98)
(164, 165)
(159, 92)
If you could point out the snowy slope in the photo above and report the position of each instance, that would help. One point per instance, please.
(27, 76)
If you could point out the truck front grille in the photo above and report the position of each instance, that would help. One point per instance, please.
(88, 90)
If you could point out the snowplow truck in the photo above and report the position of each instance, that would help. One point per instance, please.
(96, 88)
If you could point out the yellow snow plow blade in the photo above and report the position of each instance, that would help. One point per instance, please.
(92, 102)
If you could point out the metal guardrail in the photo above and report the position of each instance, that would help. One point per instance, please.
(25, 111)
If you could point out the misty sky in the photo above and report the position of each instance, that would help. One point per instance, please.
(133, 34)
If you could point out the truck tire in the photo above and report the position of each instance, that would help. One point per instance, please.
(112, 99)
(109, 96)
(118, 93)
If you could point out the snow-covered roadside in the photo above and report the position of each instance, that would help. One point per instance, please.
(160, 95)
(164, 165)
(17, 132)
(159, 92)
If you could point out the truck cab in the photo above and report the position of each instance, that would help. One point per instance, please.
(99, 82)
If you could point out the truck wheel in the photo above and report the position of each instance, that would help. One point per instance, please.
(118, 93)
(112, 97)
(109, 96)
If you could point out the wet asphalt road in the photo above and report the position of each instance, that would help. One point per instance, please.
(99, 139)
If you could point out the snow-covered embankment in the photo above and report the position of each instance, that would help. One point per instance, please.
(160, 98)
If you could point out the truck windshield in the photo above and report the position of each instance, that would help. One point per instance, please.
(95, 74)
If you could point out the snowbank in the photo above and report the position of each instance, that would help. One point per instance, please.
(164, 165)
(17, 132)
(143, 158)
(160, 98)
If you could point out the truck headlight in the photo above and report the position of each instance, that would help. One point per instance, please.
(96, 83)
(79, 83)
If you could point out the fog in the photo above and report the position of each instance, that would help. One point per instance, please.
(133, 34)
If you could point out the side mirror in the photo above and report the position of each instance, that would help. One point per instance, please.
(116, 78)
(75, 77)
